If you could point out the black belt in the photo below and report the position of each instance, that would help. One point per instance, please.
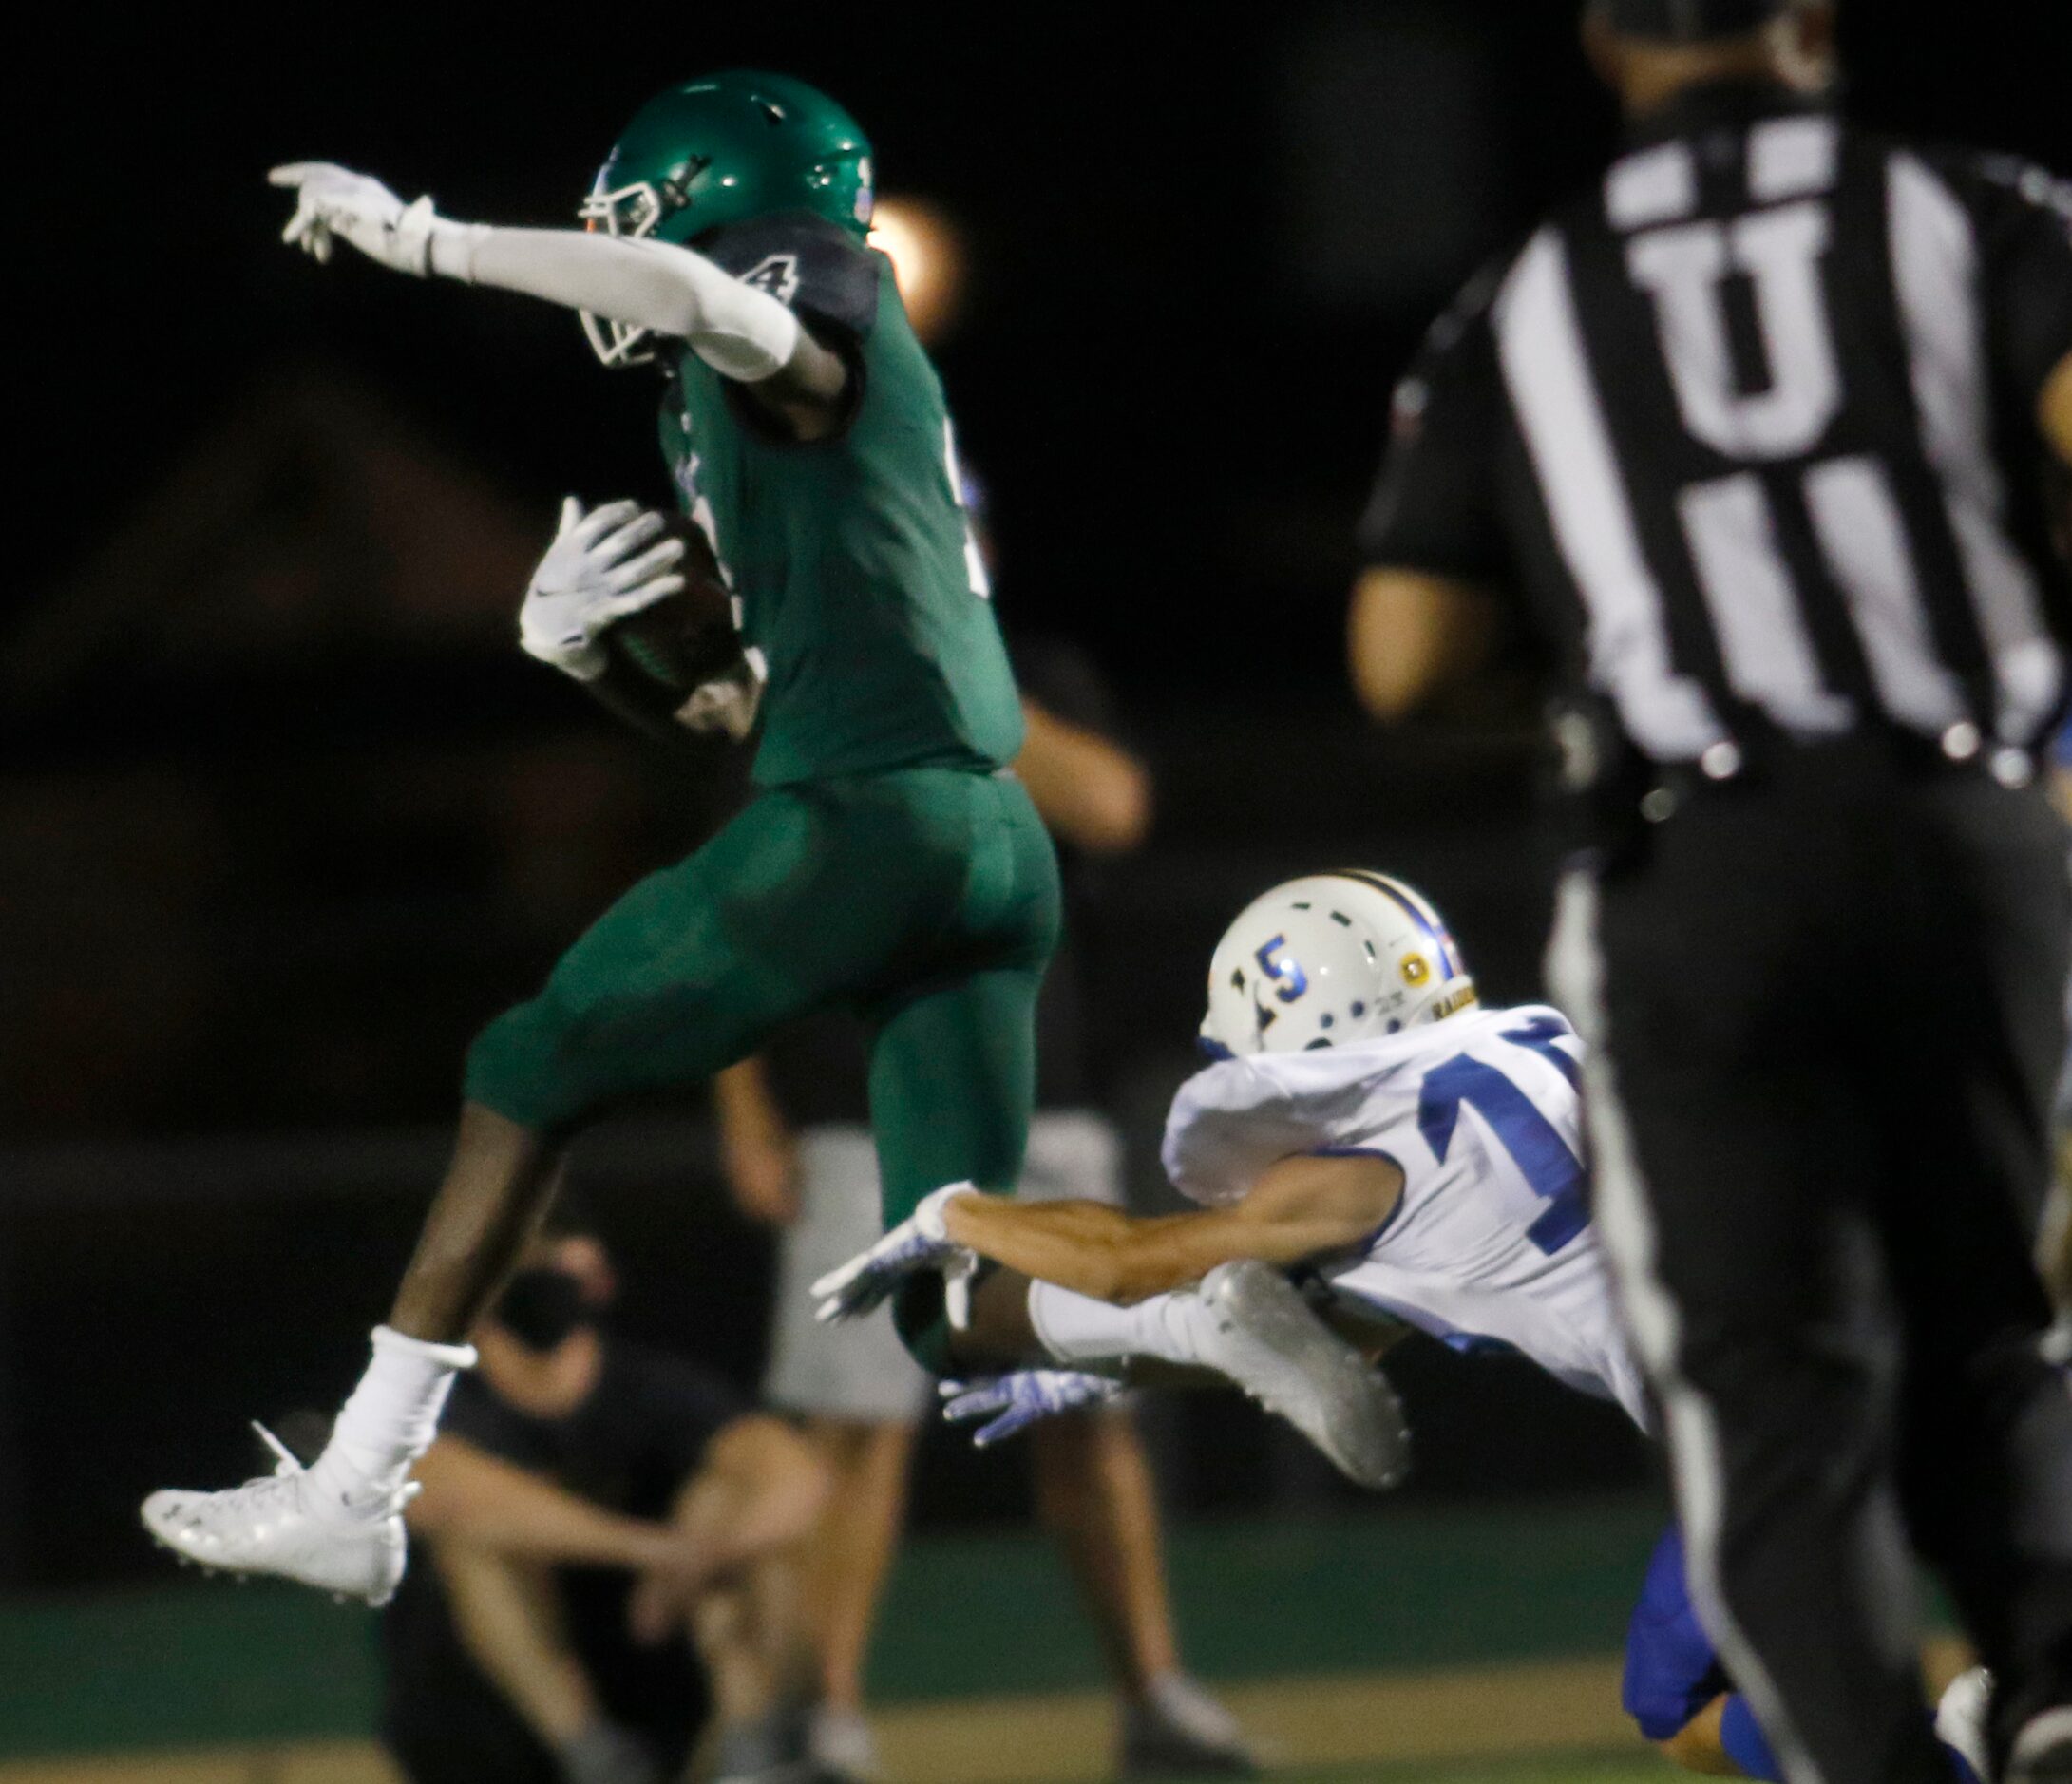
(1614, 795)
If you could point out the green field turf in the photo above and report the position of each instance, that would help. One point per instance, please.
(1405, 1588)
(1586, 1770)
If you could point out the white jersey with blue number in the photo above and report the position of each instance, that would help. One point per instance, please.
(1482, 1113)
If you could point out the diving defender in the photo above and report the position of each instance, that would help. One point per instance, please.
(1414, 1157)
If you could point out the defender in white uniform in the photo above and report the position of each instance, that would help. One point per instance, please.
(1412, 1156)
(1488, 1238)
(1368, 1124)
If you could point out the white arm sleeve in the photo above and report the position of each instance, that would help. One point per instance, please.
(741, 332)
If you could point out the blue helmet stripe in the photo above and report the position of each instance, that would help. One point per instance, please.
(1424, 919)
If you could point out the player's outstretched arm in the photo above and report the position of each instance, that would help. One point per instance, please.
(741, 332)
(1301, 1208)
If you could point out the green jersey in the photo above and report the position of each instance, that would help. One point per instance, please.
(853, 567)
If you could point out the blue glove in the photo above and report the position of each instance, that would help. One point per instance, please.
(1022, 1398)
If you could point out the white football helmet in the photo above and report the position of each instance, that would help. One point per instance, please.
(1330, 959)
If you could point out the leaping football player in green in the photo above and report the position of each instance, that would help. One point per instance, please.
(888, 861)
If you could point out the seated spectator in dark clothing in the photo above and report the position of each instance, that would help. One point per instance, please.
(603, 1550)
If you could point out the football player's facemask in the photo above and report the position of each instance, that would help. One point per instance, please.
(630, 212)
(719, 151)
(1328, 961)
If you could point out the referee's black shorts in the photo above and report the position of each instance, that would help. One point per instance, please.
(1827, 1009)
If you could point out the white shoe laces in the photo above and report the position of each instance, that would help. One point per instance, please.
(283, 1489)
(258, 1498)
(285, 1460)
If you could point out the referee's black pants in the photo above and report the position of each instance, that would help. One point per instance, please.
(1827, 1010)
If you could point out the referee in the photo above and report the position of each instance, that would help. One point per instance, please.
(1760, 440)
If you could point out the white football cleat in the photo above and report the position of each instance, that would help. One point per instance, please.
(1960, 1717)
(838, 1741)
(1179, 1731)
(1270, 1341)
(2043, 1751)
(274, 1524)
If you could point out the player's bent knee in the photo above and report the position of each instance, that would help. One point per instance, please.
(519, 1066)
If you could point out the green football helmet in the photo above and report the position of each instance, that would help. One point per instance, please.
(718, 150)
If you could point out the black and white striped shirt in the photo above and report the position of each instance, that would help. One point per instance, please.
(1752, 428)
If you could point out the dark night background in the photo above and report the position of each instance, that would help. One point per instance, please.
(281, 822)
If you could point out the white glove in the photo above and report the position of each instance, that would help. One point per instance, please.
(918, 1242)
(1021, 1398)
(333, 200)
(595, 571)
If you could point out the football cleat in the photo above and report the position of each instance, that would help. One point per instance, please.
(841, 1745)
(1177, 1730)
(2043, 1751)
(275, 1525)
(1268, 1340)
(1960, 1720)
(606, 1753)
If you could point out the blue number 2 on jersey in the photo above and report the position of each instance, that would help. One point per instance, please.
(1552, 1171)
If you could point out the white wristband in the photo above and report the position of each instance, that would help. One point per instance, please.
(928, 1216)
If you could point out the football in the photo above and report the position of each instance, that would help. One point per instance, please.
(688, 637)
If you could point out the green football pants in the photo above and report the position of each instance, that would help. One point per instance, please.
(926, 900)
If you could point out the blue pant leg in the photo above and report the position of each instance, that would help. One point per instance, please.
(1672, 1670)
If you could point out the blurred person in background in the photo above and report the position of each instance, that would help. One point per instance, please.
(798, 1153)
(1753, 439)
(615, 1544)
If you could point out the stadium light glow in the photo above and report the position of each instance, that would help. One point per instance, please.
(927, 255)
